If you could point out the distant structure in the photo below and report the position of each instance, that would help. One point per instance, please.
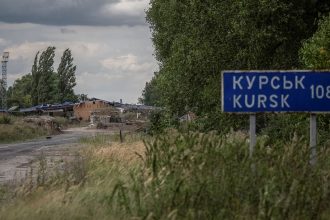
(5, 58)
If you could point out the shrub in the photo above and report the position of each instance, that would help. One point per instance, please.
(5, 119)
(284, 127)
(186, 176)
(194, 176)
(315, 53)
(160, 120)
(19, 130)
(62, 122)
(220, 122)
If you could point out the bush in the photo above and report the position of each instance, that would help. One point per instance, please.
(220, 122)
(186, 176)
(5, 119)
(15, 129)
(284, 127)
(62, 122)
(315, 53)
(160, 120)
(194, 176)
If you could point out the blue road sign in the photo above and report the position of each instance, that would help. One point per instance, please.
(275, 91)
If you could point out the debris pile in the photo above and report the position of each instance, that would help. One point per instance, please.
(46, 122)
(112, 117)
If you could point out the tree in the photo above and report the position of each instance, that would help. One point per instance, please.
(44, 85)
(150, 95)
(82, 97)
(66, 77)
(44, 80)
(35, 80)
(315, 53)
(196, 40)
(20, 93)
(46, 88)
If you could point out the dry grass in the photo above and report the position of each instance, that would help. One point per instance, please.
(123, 152)
(186, 176)
(106, 164)
(18, 130)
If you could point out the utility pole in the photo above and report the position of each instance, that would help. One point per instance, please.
(5, 58)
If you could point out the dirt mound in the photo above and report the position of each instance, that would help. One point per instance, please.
(46, 122)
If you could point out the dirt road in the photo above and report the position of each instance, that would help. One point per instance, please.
(15, 159)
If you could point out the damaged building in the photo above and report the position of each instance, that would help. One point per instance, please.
(83, 110)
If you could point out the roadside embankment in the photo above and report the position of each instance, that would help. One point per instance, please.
(180, 176)
(103, 162)
(14, 129)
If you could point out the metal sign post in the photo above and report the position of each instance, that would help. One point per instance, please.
(250, 92)
(253, 136)
(313, 139)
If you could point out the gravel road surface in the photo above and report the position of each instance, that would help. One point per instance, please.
(16, 158)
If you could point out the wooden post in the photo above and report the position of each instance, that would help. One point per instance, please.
(313, 139)
(121, 136)
(253, 137)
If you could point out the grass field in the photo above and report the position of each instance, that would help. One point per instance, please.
(182, 176)
(13, 129)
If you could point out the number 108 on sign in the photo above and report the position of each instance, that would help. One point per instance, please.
(320, 92)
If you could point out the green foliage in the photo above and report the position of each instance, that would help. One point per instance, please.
(196, 40)
(194, 176)
(62, 122)
(44, 85)
(220, 122)
(283, 127)
(35, 80)
(20, 93)
(150, 93)
(278, 128)
(82, 97)
(67, 79)
(315, 53)
(14, 129)
(5, 120)
(46, 81)
(43, 77)
(183, 176)
(159, 121)
(98, 140)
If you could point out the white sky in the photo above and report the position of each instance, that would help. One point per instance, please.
(109, 39)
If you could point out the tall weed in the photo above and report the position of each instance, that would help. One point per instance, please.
(189, 176)
(5, 120)
(199, 176)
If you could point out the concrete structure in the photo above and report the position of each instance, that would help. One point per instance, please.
(83, 110)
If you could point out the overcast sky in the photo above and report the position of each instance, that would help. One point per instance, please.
(109, 39)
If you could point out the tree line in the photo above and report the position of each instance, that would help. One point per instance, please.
(195, 40)
(43, 85)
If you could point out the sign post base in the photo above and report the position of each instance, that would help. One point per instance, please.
(313, 139)
(253, 135)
